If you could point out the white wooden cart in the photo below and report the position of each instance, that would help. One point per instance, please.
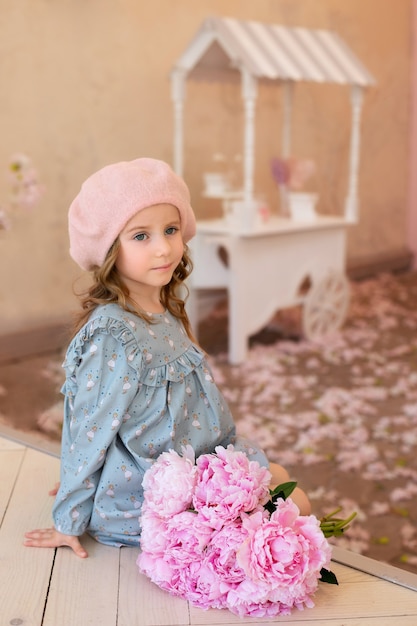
(269, 264)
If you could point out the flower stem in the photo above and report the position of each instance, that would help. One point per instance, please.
(332, 526)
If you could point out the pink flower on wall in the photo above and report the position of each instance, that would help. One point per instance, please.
(25, 189)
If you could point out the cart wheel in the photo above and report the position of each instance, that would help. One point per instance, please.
(325, 306)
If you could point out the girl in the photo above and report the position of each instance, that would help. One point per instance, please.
(137, 383)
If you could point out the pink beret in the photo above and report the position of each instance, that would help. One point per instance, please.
(110, 197)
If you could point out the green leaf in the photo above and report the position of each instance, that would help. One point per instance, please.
(270, 506)
(283, 491)
(327, 576)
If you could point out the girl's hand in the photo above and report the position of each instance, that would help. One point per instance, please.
(51, 538)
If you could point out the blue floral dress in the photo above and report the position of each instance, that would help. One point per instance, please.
(133, 389)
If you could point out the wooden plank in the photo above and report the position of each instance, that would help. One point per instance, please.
(25, 572)
(375, 568)
(84, 591)
(141, 603)
(304, 617)
(359, 597)
(108, 589)
(10, 461)
(16, 439)
(7, 444)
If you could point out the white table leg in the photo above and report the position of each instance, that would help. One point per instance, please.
(238, 296)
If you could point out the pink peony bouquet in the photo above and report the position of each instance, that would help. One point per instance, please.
(214, 534)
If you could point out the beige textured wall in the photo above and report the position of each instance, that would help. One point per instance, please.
(86, 82)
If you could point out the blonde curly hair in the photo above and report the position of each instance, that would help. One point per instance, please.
(108, 287)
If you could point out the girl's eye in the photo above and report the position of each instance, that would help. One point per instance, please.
(140, 237)
(171, 230)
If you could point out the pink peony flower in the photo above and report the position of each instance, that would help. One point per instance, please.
(229, 484)
(169, 483)
(221, 553)
(153, 537)
(286, 553)
(252, 599)
(201, 586)
(158, 571)
(180, 567)
(181, 538)
(187, 537)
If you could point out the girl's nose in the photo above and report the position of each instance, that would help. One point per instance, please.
(162, 246)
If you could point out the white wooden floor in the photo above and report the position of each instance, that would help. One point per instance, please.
(46, 587)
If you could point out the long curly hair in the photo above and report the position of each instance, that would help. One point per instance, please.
(108, 287)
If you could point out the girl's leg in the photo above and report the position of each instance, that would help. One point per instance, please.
(279, 476)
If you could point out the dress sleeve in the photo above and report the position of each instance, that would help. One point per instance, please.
(102, 379)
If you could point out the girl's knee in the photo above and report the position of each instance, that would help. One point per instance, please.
(301, 500)
(279, 475)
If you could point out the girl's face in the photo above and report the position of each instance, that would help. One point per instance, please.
(151, 247)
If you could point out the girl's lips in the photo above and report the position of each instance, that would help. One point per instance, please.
(163, 268)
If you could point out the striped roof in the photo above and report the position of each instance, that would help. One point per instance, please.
(273, 52)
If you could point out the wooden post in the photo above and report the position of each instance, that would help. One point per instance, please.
(178, 95)
(352, 201)
(288, 90)
(249, 94)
